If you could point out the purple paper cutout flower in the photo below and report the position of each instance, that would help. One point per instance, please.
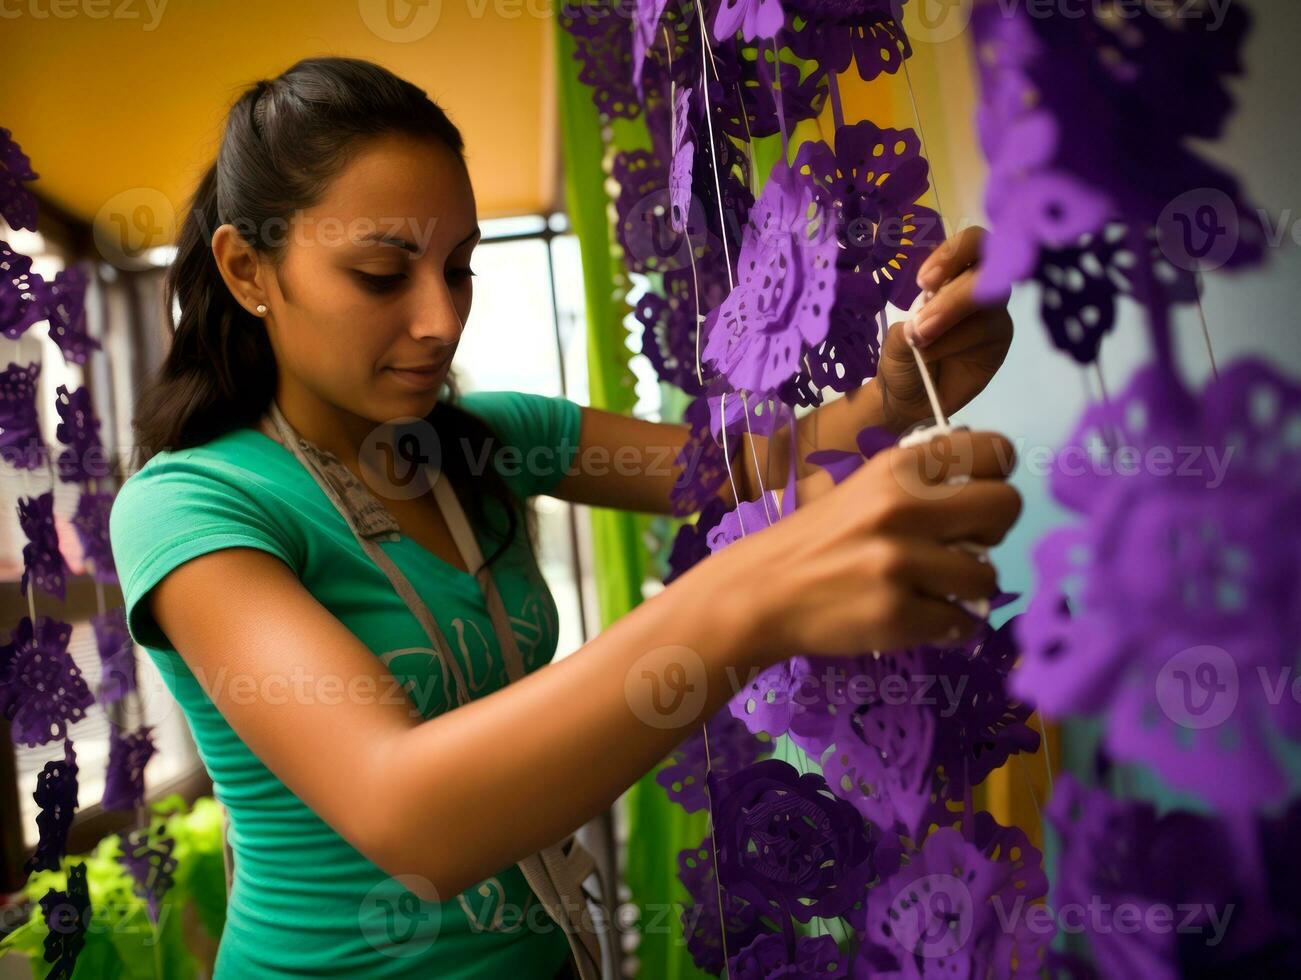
(684, 155)
(1065, 121)
(702, 926)
(56, 795)
(67, 916)
(773, 957)
(768, 702)
(755, 414)
(78, 429)
(743, 100)
(23, 295)
(20, 427)
(943, 912)
(147, 854)
(701, 459)
(750, 516)
(669, 324)
(871, 184)
(66, 308)
(785, 289)
(1118, 852)
(840, 463)
(17, 205)
(785, 842)
(43, 562)
(128, 754)
(755, 19)
(833, 31)
(42, 690)
(731, 748)
(689, 545)
(91, 524)
(603, 49)
(645, 25)
(117, 659)
(1163, 607)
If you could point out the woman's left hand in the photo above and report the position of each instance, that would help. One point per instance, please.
(962, 342)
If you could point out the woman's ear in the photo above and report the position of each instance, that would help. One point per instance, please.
(241, 269)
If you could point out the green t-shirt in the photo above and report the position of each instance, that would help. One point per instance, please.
(304, 902)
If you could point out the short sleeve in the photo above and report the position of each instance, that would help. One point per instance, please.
(176, 509)
(543, 429)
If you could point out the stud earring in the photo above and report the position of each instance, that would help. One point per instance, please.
(261, 308)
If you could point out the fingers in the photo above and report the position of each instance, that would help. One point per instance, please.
(923, 469)
(922, 619)
(983, 330)
(980, 510)
(939, 571)
(952, 257)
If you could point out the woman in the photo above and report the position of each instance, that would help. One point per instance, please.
(383, 803)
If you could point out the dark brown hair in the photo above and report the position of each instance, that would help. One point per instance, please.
(284, 141)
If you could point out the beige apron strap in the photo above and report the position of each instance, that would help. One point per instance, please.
(347, 504)
(556, 873)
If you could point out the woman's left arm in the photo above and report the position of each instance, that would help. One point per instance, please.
(629, 464)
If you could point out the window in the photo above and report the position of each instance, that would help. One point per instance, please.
(528, 300)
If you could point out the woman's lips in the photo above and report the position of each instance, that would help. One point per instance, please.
(422, 379)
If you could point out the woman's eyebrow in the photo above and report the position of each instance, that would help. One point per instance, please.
(411, 247)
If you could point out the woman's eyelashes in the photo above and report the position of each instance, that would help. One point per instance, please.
(380, 284)
(386, 284)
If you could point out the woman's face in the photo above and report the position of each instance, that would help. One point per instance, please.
(376, 278)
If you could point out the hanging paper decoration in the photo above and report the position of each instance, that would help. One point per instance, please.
(67, 314)
(715, 920)
(128, 754)
(78, 429)
(1168, 600)
(147, 855)
(771, 956)
(42, 690)
(56, 795)
(832, 31)
(17, 205)
(117, 660)
(943, 913)
(781, 303)
(43, 562)
(67, 915)
(1178, 867)
(20, 427)
(1075, 121)
(23, 294)
(730, 748)
(91, 524)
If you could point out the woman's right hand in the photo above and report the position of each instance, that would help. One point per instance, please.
(868, 564)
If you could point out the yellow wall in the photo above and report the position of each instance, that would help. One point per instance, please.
(105, 105)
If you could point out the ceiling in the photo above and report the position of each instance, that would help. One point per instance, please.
(121, 102)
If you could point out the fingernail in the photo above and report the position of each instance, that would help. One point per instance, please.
(922, 328)
(927, 276)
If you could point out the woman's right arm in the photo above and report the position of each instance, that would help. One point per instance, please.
(456, 798)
